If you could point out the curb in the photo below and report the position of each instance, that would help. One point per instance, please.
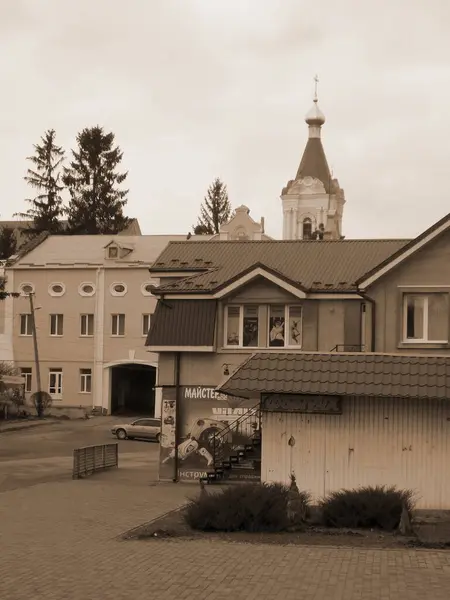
(23, 426)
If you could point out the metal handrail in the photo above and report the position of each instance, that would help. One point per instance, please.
(252, 412)
(348, 348)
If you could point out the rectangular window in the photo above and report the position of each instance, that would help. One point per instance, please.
(242, 326)
(85, 381)
(87, 325)
(56, 325)
(26, 324)
(145, 324)
(27, 373)
(425, 318)
(55, 381)
(285, 326)
(118, 325)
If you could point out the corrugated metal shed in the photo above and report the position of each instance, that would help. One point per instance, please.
(359, 374)
(374, 442)
(183, 323)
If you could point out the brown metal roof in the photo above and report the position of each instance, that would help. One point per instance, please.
(382, 375)
(183, 323)
(311, 264)
(314, 163)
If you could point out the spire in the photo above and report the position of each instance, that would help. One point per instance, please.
(315, 117)
(314, 162)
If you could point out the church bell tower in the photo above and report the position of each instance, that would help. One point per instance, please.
(313, 202)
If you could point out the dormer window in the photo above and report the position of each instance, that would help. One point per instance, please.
(113, 252)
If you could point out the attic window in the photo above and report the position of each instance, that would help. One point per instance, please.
(146, 287)
(26, 289)
(86, 289)
(113, 252)
(56, 289)
(118, 289)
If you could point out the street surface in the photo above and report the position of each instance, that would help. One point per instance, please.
(59, 539)
(45, 453)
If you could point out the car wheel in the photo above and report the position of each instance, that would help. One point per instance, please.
(158, 438)
(121, 434)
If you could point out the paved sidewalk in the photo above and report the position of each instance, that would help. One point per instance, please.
(59, 541)
(17, 425)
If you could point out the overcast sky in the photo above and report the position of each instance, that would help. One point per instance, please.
(195, 89)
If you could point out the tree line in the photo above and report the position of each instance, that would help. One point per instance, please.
(91, 179)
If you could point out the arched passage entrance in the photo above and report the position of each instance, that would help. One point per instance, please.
(132, 388)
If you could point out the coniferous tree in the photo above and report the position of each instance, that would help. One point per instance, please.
(215, 209)
(46, 208)
(96, 201)
(8, 242)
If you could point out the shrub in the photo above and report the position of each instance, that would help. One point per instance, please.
(247, 507)
(377, 507)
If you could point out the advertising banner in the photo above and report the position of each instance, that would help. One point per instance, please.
(203, 414)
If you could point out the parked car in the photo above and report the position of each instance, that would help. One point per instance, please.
(145, 429)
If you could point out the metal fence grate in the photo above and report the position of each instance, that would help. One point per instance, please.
(90, 459)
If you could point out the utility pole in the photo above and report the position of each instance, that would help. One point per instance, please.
(36, 356)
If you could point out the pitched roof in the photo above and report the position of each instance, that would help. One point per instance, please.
(61, 250)
(407, 250)
(359, 374)
(311, 264)
(183, 323)
(314, 163)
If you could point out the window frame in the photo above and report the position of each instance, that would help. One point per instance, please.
(58, 373)
(115, 293)
(85, 376)
(241, 326)
(426, 297)
(27, 319)
(87, 319)
(59, 319)
(115, 331)
(287, 309)
(240, 346)
(27, 372)
(148, 317)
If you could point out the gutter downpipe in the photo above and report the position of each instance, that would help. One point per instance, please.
(371, 301)
(177, 415)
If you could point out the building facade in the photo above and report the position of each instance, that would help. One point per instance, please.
(337, 351)
(93, 310)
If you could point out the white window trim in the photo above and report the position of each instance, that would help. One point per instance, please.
(425, 340)
(22, 285)
(28, 376)
(118, 315)
(87, 315)
(83, 379)
(149, 323)
(58, 317)
(154, 282)
(29, 317)
(56, 294)
(240, 346)
(110, 247)
(113, 291)
(83, 293)
(287, 308)
(59, 375)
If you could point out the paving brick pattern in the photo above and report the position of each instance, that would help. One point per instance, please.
(59, 541)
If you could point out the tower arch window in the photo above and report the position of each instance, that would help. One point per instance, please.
(307, 229)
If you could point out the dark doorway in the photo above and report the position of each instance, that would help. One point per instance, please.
(133, 390)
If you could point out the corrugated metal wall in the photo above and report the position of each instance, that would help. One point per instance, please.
(375, 441)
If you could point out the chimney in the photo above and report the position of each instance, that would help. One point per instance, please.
(262, 224)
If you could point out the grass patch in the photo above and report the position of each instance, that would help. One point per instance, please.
(378, 507)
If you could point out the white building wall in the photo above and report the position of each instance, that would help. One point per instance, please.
(405, 443)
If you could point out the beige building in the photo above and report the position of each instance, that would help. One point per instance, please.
(93, 308)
